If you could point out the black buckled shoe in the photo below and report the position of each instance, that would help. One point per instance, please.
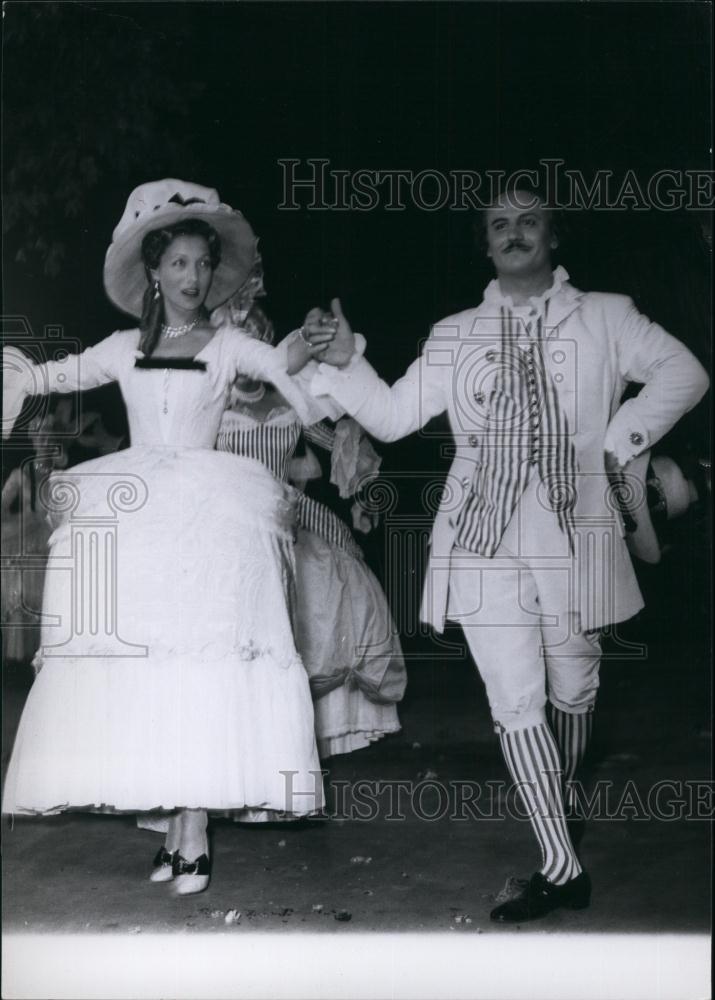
(163, 866)
(541, 897)
(190, 876)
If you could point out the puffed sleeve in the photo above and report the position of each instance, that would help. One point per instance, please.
(23, 377)
(673, 380)
(353, 460)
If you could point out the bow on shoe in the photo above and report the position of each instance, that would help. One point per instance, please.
(180, 866)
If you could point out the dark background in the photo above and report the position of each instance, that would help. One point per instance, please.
(101, 97)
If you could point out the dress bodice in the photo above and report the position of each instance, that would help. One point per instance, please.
(271, 441)
(169, 407)
(173, 406)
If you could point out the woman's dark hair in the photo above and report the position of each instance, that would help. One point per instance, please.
(154, 246)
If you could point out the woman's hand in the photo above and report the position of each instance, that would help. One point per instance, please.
(308, 345)
(339, 348)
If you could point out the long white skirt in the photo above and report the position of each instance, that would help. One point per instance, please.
(168, 674)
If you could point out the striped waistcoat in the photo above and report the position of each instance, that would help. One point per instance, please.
(526, 430)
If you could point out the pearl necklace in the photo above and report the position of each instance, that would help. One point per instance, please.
(178, 331)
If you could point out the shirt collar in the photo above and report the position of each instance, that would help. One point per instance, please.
(493, 294)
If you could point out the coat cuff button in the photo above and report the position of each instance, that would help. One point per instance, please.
(636, 438)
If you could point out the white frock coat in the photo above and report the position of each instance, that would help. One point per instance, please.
(595, 344)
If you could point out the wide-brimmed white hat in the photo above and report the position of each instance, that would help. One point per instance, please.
(163, 203)
(658, 490)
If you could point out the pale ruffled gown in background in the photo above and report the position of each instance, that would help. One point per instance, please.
(343, 625)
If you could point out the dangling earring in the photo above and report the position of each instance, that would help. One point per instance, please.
(157, 291)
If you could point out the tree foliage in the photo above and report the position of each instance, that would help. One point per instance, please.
(87, 101)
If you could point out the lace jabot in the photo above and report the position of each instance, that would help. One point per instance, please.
(493, 294)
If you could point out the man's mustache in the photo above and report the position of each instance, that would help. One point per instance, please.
(515, 245)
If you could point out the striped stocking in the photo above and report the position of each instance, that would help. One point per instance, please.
(572, 734)
(533, 761)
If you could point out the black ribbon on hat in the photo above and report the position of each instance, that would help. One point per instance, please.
(178, 200)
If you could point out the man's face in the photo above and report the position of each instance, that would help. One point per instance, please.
(519, 238)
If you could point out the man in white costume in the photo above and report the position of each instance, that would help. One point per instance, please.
(527, 551)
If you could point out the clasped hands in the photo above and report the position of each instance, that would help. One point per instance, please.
(327, 335)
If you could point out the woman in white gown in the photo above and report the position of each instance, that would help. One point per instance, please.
(167, 679)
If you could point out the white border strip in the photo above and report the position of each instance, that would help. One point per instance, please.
(335, 966)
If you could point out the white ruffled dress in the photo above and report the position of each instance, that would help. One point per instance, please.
(169, 676)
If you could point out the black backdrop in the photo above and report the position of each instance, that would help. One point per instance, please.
(101, 97)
